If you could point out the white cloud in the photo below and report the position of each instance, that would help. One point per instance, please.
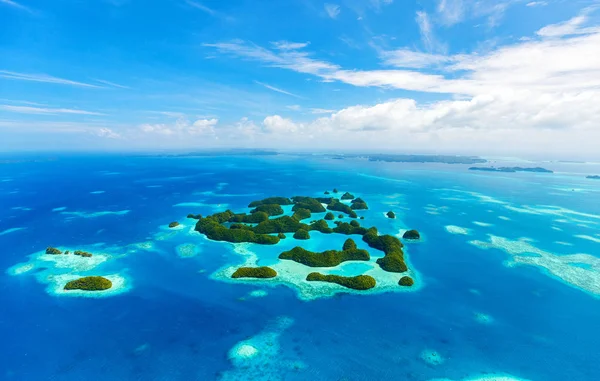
(204, 125)
(112, 84)
(320, 111)
(276, 89)
(43, 78)
(107, 133)
(287, 45)
(425, 29)
(537, 4)
(570, 27)
(451, 11)
(277, 124)
(294, 107)
(15, 5)
(202, 7)
(333, 10)
(406, 58)
(45, 110)
(181, 127)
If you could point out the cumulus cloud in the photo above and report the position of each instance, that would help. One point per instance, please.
(107, 133)
(181, 127)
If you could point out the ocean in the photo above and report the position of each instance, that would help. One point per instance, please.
(507, 273)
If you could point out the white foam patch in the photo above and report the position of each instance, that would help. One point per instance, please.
(59, 209)
(187, 250)
(479, 196)
(504, 218)
(482, 318)
(483, 224)
(293, 275)
(452, 229)
(96, 214)
(24, 208)
(57, 286)
(563, 243)
(432, 357)
(589, 238)
(581, 271)
(486, 377)
(259, 357)
(97, 192)
(258, 293)
(201, 205)
(11, 230)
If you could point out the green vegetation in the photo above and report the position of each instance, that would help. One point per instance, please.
(347, 196)
(326, 192)
(173, 224)
(269, 209)
(310, 203)
(82, 253)
(359, 204)
(349, 228)
(253, 218)
(406, 281)
(194, 216)
(361, 282)
(393, 261)
(283, 224)
(329, 216)
(354, 223)
(53, 251)
(89, 283)
(338, 206)
(321, 226)
(411, 234)
(254, 272)
(335, 190)
(271, 200)
(301, 214)
(341, 216)
(281, 236)
(329, 258)
(212, 228)
(391, 214)
(302, 234)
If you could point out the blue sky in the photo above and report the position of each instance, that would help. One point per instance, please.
(503, 76)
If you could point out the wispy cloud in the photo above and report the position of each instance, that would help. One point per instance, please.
(43, 78)
(451, 11)
(15, 5)
(287, 45)
(111, 84)
(426, 29)
(294, 107)
(332, 10)
(277, 89)
(406, 58)
(45, 111)
(210, 11)
(321, 111)
(570, 27)
(537, 4)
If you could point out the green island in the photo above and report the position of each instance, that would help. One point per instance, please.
(254, 272)
(89, 283)
(412, 235)
(329, 258)
(267, 224)
(173, 224)
(391, 214)
(360, 282)
(53, 251)
(82, 253)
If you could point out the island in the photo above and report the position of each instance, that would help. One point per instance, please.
(593, 177)
(411, 235)
(406, 281)
(254, 272)
(53, 251)
(399, 158)
(89, 283)
(511, 169)
(82, 253)
(391, 214)
(266, 223)
(329, 258)
(360, 282)
(347, 196)
(173, 224)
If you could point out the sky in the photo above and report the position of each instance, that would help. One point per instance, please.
(484, 77)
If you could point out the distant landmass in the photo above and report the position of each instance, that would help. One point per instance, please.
(446, 159)
(595, 177)
(230, 152)
(511, 169)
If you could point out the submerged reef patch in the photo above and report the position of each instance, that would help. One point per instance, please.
(452, 229)
(581, 271)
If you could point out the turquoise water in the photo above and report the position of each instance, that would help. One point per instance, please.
(516, 295)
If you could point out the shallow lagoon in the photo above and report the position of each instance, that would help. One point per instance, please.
(176, 321)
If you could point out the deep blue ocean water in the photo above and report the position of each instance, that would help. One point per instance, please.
(178, 323)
